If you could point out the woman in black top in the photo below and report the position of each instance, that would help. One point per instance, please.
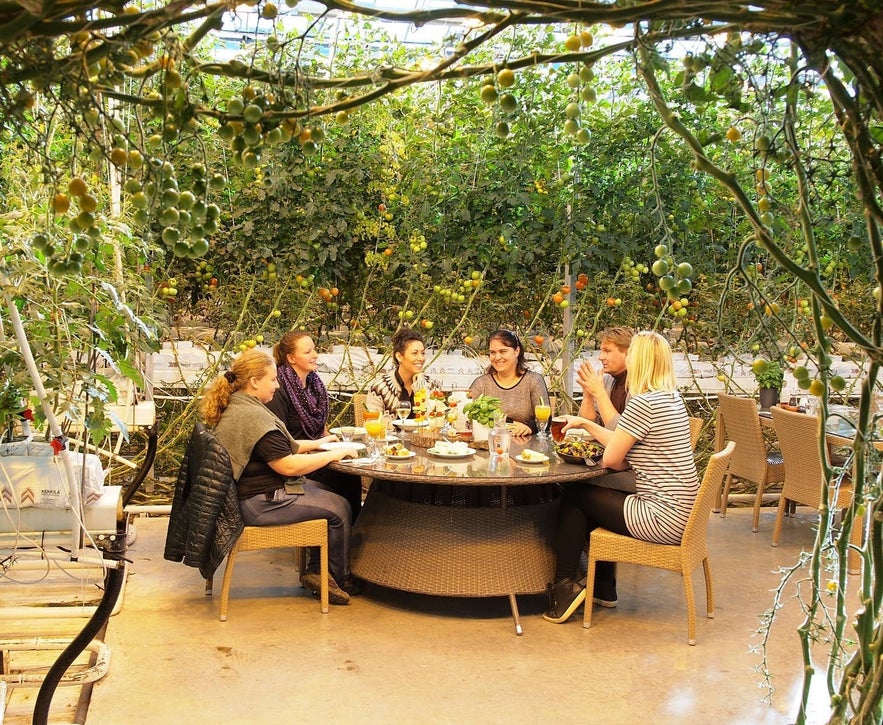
(301, 401)
(270, 467)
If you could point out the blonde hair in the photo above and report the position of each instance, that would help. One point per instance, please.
(649, 363)
(249, 364)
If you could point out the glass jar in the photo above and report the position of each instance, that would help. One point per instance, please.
(499, 438)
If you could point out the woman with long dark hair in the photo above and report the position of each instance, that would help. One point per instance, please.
(508, 379)
(409, 354)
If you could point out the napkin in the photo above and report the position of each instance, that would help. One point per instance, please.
(451, 448)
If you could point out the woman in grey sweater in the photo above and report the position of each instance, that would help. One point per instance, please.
(508, 379)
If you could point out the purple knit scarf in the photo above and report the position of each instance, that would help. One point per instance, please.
(310, 402)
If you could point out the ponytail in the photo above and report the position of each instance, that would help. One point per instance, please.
(249, 364)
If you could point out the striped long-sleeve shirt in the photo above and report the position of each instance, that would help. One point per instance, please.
(666, 481)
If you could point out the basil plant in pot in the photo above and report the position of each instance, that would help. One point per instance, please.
(483, 412)
(770, 377)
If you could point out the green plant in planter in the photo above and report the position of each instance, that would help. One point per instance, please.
(483, 409)
(768, 373)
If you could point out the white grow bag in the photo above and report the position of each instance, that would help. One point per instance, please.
(32, 475)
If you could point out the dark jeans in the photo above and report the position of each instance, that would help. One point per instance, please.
(584, 508)
(315, 503)
(343, 484)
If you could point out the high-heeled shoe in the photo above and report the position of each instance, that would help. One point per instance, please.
(565, 596)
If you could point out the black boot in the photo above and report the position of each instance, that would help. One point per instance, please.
(565, 596)
(352, 585)
(605, 584)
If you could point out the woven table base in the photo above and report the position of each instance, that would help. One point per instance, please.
(454, 551)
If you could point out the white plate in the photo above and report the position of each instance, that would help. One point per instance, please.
(357, 431)
(410, 423)
(445, 454)
(542, 458)
(333, 445)
(391, 457)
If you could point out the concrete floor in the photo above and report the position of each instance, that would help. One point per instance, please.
(394, 657)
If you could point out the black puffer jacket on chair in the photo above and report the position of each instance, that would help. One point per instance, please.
(205, 520)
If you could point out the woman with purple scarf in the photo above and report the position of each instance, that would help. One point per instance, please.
(301, 401)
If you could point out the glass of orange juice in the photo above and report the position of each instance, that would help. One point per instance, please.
(376, 429)
(542, 412)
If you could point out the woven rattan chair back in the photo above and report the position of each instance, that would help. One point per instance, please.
(798, 435)
(359, 408)
(740, 423)
(696, 425)
(605, 545)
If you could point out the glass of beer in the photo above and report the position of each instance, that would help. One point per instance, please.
(557, 424)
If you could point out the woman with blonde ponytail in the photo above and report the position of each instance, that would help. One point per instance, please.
(271, 468)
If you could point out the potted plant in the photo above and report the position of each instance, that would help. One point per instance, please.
(770, 377)
(482, 412)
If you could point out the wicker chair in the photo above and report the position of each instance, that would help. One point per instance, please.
(798, 435)
(696, 425)
(738, 421)
(305, 533)
(359, 408)
(604, 545)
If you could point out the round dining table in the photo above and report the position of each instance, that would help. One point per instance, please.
(476, 525)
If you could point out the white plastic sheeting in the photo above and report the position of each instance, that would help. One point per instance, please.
(350, 368)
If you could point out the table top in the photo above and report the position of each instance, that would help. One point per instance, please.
(839, 427)
(477, 469)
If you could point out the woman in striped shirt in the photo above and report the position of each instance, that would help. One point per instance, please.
(653, 438)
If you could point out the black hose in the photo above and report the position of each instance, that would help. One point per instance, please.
(132, 488)
(113, 584)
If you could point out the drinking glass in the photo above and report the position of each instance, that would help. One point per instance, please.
(347, 432)
(542, 412)
(499, 440)
(557, 424)
(376, 430)
(403, 409)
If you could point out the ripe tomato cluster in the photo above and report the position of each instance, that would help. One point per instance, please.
(63, 255)
(329, 295)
